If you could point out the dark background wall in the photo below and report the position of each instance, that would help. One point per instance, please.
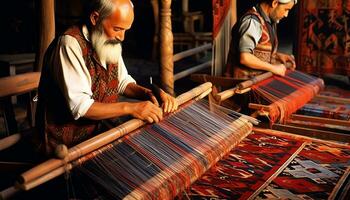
(19, 21)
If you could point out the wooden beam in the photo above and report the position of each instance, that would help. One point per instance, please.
(166, 47)
(320, 134)
(19, 84)
(191, 52)
(259, 107)
(221, 81)
(333, 99)
(192, 70)
(46, 30)
(321, 120)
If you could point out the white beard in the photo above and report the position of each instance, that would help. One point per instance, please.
(108, 53)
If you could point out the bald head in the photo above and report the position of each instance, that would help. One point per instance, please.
(113, 17)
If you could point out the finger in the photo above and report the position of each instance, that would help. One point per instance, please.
(166, 106)
(154, 100)
(156, 117)
(176, 105)
(149, 119)
(171, 105)
(158, 112)
(294, 65)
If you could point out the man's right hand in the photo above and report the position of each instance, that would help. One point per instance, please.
(147, 111)
(279, 69)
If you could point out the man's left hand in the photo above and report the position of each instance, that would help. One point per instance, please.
(287, 60)
(169, 103)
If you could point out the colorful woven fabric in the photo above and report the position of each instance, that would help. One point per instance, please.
(271, 164)
(324, 37)
(329, 108)
(285, 95)
(160, 160)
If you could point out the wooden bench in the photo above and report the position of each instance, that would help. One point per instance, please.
(13, 86)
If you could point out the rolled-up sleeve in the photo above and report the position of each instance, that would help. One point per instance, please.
(250, 32)
(73, 76)
(123, 76)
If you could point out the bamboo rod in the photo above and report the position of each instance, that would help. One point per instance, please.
(242, 86)
(40, 173)
(256, 79)
(9, 141)
(226, 94)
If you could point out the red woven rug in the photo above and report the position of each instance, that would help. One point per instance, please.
(271, 164)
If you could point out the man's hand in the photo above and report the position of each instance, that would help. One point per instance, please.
(146, 110)
(279, 69)
(169, 103)
(287, 60)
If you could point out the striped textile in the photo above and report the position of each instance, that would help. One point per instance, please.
(161, 160)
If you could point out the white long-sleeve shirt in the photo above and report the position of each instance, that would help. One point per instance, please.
(73, 77)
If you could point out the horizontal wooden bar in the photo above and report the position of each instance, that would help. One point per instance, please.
(221, 81)
(320, 120)
(190, 52)
(19, 84)
(259, 107)
(320, 134)
(191, 70)
(334, 99)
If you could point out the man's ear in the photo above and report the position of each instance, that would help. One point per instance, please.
(274, 3)
(94, 18)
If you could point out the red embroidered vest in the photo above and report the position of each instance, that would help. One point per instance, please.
(54, 119)
(264, 51)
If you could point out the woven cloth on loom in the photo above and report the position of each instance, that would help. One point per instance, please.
(276, 165)
(285, 95)
(160, 160)
(327, 107)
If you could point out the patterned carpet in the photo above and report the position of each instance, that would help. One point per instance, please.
(276, 165)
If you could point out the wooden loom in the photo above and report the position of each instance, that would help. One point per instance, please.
(77, 154)
(314, 126)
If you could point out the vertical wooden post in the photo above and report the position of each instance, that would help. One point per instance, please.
(233, 12)
(166, 47)
(184, 5)
(46, 30)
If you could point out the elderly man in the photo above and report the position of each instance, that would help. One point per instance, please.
(253, 48)
(83, 75)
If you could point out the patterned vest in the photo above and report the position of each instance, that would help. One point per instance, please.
(55, 122)
(265, 50)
